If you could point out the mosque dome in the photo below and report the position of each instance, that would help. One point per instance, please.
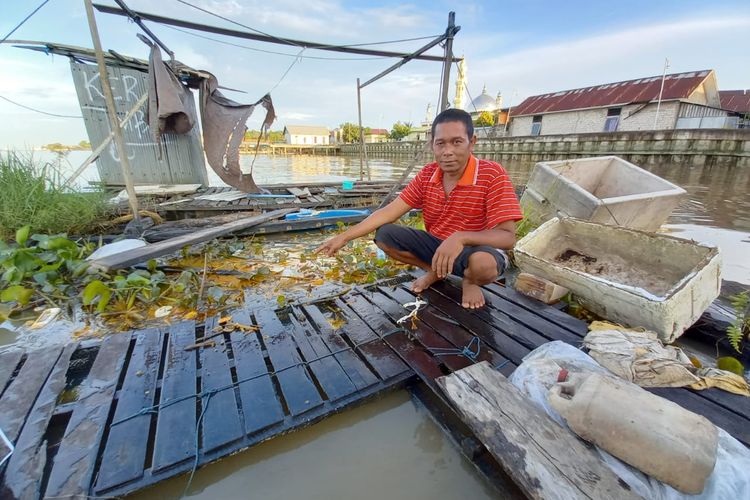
(483, 102)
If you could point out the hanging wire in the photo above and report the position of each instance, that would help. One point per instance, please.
(292, 42)
(296, 60)
(24, 20)
(231, 44)
(38, 110)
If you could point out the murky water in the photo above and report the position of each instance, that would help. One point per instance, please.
(390, 448)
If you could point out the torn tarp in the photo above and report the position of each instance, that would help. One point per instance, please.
(170, 103)
(223, 131)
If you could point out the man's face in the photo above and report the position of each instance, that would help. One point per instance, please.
(452, 146)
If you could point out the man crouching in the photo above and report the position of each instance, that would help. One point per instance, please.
(470, 211)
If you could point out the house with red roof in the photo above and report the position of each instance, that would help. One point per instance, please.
(376, 135)
(687, 100)
(737, 103)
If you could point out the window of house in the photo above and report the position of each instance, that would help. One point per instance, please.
(536, 125)
(613, 119)
(304, 140)
(316, 139)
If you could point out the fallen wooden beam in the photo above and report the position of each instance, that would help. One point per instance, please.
(126, 259)
(546, 460)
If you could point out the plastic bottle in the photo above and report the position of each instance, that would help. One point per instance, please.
(656, 436)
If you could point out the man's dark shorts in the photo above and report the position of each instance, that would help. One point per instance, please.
(423, 246)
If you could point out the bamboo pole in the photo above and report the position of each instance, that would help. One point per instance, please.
(112, 113)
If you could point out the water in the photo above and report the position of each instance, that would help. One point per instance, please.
(386, 449)
(390, 448)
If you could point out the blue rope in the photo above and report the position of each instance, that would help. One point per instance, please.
(470, 350)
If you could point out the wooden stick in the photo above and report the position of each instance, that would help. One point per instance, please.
(112, 113)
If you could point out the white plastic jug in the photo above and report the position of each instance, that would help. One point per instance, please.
(659, 437)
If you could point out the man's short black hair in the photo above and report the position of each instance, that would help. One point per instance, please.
(454, 115)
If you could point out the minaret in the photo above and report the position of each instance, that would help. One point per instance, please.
(458, 101)
(499, 101)
(428, 115)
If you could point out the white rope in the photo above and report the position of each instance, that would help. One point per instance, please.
(417, 305)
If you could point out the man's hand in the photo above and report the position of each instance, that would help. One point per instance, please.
(332, 246)
(446, 254)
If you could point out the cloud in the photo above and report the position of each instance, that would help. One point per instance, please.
(691, 44)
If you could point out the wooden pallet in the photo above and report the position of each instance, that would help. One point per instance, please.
(138, 407)
(137, 420)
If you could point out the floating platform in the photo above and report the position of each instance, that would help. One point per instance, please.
(114, 416)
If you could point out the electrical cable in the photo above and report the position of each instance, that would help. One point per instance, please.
(292, 42)
(38, 110)
(255, 49)
(24, 20)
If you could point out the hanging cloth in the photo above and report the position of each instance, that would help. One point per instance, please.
(223, 131)
(170, 103)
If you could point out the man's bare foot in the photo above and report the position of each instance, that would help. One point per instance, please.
(424, 282)
(473, 298)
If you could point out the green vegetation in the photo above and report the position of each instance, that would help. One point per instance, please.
(350, 132)
(273, 136)
(485, 119)
(52, 271)
(400, 130)
(33, 195)
(739, 331)
(59, 147)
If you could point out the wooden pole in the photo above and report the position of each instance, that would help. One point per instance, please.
(450, 32)
(361, 134)
(112, 113)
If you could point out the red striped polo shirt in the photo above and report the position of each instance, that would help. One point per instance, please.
(483, 198)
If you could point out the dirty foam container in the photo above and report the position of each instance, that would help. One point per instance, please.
(627, 276)
(604, 189)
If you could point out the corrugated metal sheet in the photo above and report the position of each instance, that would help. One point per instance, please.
(181, 159)
(676, 86)
(735, 100)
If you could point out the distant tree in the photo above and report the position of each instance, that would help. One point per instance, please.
(84, 145)
(485, 119)
(55, 146)
(400, 130)
(349, 132)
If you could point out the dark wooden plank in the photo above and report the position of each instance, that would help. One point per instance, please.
(20, 395)
(175, 427)
(73, 467)
(561, 318)
(740, 405)
(513, 342)
(297, 387)
(384, 361)
(415, 356)
(125, 259)
(221, 417)
(454, 332)
(737, 427)
(354, 367)
(125, 451)
(331, 376)
(23, 475)
(9, 360)
(513, 312)
(429, 338)
(260, 406)
(545, 460)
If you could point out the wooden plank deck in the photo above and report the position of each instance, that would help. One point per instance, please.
(149, 408)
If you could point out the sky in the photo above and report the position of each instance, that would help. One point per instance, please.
(518, 48)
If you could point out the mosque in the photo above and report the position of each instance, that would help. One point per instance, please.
(482, 102)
